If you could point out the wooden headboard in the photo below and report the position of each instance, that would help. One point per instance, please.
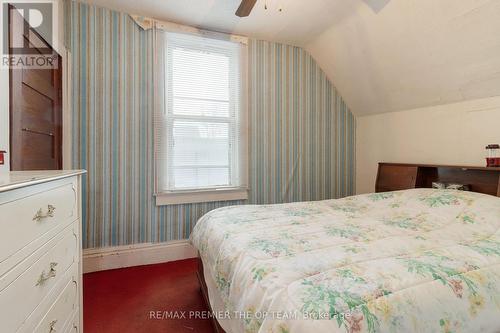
(401, 176)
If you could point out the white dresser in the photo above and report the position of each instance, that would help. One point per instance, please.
(40, 252)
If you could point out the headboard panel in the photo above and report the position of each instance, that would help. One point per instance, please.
(400, 176)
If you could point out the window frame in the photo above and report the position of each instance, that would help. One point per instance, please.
(237, 122)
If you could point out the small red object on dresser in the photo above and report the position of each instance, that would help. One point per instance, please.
(2, 160)
(493, 155)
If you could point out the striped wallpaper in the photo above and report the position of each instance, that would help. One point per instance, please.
(301, 132)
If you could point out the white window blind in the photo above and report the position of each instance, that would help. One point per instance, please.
(203, 112)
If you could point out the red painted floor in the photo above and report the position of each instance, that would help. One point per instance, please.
(122, 300)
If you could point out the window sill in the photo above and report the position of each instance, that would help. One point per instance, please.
(181, 197)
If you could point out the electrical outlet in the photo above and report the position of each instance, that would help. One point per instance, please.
(2, 158)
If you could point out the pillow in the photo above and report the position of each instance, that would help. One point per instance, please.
(450, 186)
(459, 187)
(439, 186)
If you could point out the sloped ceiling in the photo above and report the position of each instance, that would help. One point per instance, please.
(412, 53)
(382, 55)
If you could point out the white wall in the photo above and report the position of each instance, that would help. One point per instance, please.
(4, 109)
(448, 134)
(4, 116)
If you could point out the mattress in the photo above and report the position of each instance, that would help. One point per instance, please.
(420, 260)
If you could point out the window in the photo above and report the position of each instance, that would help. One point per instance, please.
(203, 119)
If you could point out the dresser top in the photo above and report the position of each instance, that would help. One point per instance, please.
(17, 179)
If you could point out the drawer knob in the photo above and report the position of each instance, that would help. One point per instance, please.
(40, 215)
(52, 325)
(45, 276)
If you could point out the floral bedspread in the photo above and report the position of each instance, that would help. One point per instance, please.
(419, 260)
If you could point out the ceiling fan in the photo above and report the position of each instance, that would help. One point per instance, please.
(245, 8)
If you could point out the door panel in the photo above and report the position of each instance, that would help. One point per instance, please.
(35, 106)
(37, 79)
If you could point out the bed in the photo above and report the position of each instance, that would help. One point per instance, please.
(419, 260)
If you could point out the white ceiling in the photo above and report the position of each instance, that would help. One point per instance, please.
(413, 53)
(299, 22)
(383, 55)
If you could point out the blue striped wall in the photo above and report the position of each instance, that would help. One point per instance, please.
(301, 132)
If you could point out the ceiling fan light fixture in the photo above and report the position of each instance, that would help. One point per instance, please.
(279, 7)
(246, 7)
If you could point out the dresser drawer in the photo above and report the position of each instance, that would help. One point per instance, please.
(23, 295)
(60, 316)
(25, 219)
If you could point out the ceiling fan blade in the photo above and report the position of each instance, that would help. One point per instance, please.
(245, 8)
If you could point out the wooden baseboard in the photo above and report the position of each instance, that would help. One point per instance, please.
(95, 260)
